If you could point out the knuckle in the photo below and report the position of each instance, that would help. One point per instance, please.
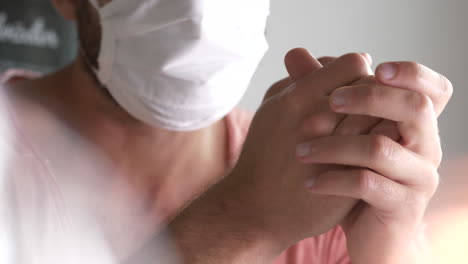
(372, 95)
(371, 79)
(419, 103)
(380, 148)
(367, 181)
(439, 154)
(433, 182)
(291, 102)
(425, 105)
(447, 86)
(348, 130)
(277, 87)
(419, 73)
(326, 60)
(317, 125)
(415, 70)
(357, 61)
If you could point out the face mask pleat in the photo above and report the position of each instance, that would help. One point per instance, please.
(181, 64)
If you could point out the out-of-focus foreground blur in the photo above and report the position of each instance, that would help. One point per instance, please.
(433, 32)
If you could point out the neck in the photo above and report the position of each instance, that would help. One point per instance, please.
(150, 156)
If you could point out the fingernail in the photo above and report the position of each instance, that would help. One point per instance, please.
(310, 182)
(303, 150)
(339, 98)
(388, 70)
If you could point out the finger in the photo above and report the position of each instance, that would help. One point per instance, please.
(356, 125)
(343, 71)
(377, 153)
(371, 187)
(368, 57)
(369, 79)
(418, 78)
(348, 68)
(387, 128)
(413, 112)
(322, 122)
(326, 60)
(299, 62)
(277, 88)
(381, 101)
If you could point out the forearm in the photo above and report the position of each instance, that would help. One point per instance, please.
(211, 230)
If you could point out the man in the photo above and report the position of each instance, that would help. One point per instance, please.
(330, 145)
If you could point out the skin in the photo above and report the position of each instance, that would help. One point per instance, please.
(73, 97)
(396, 201)
(263, 206)
(396, 178)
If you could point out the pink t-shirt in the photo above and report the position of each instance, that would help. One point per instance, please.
(36, 192)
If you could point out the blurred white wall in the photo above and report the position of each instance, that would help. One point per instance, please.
(433, 32)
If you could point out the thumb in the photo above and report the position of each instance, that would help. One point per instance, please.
(299, 62)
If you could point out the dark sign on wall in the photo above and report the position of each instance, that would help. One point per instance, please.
(34, 36)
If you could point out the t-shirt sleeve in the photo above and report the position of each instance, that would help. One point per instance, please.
(329, 248)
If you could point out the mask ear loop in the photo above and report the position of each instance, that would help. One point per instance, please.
(91, 67)
(93, 71)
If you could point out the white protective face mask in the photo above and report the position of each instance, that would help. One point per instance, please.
(180, 64)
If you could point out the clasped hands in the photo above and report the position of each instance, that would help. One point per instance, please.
(331, 145)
